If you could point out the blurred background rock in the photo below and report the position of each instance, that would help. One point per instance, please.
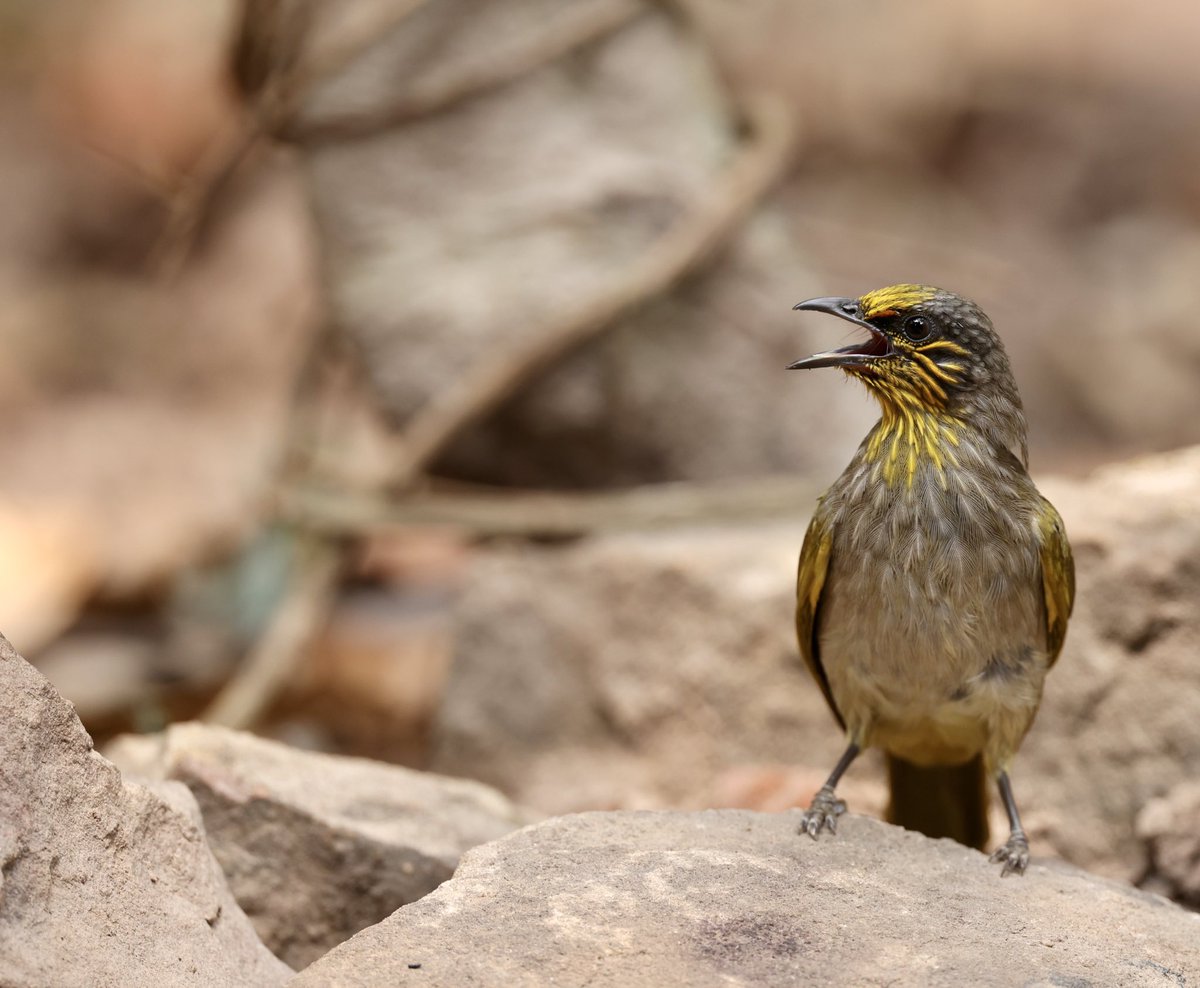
(404, 377)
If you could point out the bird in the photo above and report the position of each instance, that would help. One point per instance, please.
(935, 582)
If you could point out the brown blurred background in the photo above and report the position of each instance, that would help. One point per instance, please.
(396, 377)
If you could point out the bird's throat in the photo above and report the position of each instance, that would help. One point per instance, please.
(909, 438)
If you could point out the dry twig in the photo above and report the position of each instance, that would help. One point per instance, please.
(437, 96)
(489, 513)
(372, 31)
(689, 241)
(274, 69)
(265, 672)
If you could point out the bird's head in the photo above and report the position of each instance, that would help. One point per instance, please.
(926, 349)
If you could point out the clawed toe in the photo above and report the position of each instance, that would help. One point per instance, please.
(1014, 854)
(822, 814)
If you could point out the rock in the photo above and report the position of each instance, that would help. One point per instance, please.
(640, 667)
(579, 165)
(508, 252)
(1118, 726)
(47, 570)
(642, 403)
(102, 881)
(190, 481)
(316, 847)
(732, 897)
(1171, 828)
(649, 670)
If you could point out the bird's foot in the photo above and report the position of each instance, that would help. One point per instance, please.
(822, 813)
(1014, 854)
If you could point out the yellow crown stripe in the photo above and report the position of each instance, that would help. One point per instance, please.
(894, 299)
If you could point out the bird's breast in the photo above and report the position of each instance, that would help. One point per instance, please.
(931, 615)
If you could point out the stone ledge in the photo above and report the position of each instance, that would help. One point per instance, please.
(734, 897)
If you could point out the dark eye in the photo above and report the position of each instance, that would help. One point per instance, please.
(917, 328)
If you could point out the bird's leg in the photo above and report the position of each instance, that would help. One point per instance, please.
(825, 808)
(1014, 853)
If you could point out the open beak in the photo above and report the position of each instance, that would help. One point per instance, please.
(875, 348)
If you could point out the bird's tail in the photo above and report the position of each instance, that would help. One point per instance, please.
(941, 800)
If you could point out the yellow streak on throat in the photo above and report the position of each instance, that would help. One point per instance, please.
(909, 435)
(914, 402)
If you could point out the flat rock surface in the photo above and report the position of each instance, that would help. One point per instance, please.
(316, 847)
(731, 897)
(104, 882)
